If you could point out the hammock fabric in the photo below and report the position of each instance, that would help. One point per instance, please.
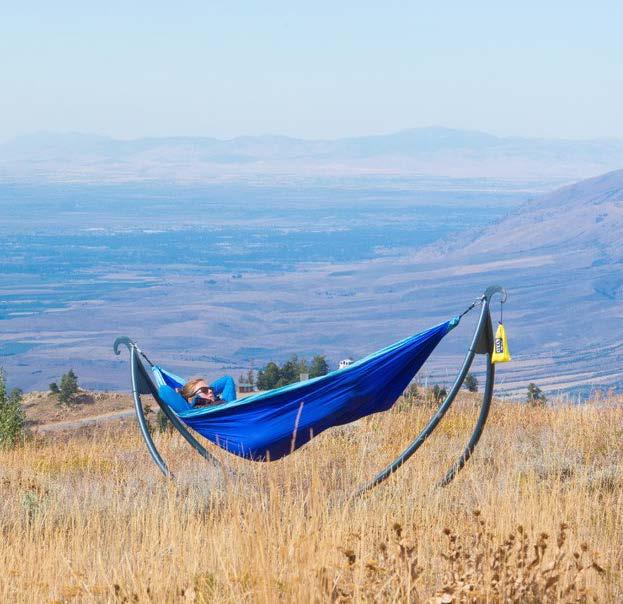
(270, 425)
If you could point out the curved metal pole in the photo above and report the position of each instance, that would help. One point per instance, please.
(125, 341)
(418, 441)
(139, 370)
(478, 429)
(177, 424)
(486, 399)
(140, 415)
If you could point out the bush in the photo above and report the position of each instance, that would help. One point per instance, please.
(438, 394)
(471, 382)
(12, 418)
(54, 388)
(535, 395)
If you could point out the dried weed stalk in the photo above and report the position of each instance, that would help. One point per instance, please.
(519, 569)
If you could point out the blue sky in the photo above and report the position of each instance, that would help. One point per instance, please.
(315, 69)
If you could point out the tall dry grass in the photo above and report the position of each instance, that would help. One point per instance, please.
(536, 515)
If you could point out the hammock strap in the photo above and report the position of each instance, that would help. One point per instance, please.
(470, 307)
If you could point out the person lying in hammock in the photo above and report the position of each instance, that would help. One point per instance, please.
(199, 393)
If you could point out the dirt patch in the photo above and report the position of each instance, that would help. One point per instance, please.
(43, 408)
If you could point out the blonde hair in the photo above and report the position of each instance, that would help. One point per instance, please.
(189, 388)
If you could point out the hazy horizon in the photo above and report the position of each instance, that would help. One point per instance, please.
(276, 134)
(312, 72)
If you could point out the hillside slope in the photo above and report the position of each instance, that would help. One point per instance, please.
(562, 258)
(586, 217)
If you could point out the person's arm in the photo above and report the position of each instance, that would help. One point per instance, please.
(225, 388)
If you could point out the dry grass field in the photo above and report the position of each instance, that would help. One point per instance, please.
(536, 515)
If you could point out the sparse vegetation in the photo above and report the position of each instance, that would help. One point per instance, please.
(412, 393)
(248, 379)
(546, 482)
(12, 417)
(162, 422)
(437, 394)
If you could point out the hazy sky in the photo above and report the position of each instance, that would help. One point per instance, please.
(315, 69)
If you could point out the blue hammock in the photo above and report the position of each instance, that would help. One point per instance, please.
(268, 425)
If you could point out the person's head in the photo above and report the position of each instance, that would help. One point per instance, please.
(197, 388)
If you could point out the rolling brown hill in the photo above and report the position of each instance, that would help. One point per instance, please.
(586, 218)
(562, 257)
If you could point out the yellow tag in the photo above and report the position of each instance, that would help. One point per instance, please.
(500, 346)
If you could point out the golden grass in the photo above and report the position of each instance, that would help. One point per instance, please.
(536, 515)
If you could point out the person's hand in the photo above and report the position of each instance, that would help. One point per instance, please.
(210, 396)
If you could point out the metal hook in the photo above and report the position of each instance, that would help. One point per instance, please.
(495, 289)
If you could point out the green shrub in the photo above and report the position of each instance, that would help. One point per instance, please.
(438, 394)
(535, 395)
(12, 418)
(471, 382)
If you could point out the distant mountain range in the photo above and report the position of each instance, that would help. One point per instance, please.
(428, 151)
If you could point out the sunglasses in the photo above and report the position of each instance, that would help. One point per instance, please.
(203, 390)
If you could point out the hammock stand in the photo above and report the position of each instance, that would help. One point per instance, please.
(482, 343)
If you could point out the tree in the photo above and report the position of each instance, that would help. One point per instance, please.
(12, 418)
(438, 393)
(68, 388)
(535, 395)
(303, 367)
(54, 388)
(289, 372)
(471, 382)
(268, 377)
(251, 377)
(318, 366)
(272, 376)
